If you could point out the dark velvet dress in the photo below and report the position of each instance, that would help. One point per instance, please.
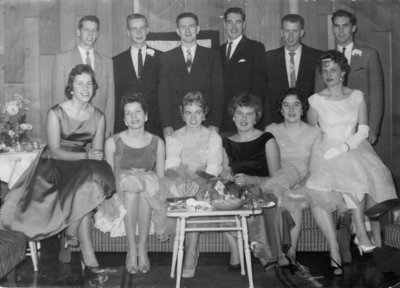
(52, 194)
(250, 158)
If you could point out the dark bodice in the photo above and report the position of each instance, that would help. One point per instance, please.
(127, 157)
(76, 134)
(248, 157)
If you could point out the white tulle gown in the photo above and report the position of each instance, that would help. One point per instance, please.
(352, 174)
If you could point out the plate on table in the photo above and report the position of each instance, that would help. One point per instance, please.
(227, 204)
(4, 150)
(177, 199)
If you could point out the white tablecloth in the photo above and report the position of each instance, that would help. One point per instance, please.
(13, 165)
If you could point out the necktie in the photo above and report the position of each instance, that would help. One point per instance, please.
(292, 70)
(228, 53)
(140, 64)
(88, 62)
(189, 60)
(344, 53)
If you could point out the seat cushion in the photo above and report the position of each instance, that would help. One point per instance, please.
(12, 250)
(392, 235)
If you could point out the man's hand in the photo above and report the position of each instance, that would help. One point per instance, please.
(168, 131)
(372, 137)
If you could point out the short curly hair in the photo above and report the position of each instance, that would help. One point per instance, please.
(336, 57)
(295, 92)
(194, 98)
(246, 100)
(79, 70)
(134, 97)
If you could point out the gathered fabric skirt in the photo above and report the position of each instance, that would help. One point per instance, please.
(342, 182)
(52, 194)
(110, 214)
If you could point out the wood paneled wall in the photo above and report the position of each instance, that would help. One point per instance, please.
(33, 31)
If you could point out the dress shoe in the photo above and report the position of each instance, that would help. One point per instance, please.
(364, 249)
(131, 263)
(189, 273)
(234, 267)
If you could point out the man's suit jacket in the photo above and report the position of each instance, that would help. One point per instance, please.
(365, 75)
(278, 78)
(244, 72)
(176, 82)
(126, 81)
(103, 68)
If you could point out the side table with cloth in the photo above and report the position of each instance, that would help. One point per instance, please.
(13, 243)
(13, 165)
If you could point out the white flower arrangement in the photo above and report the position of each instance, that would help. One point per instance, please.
(356, 52)
(150, 52)
(13, 119)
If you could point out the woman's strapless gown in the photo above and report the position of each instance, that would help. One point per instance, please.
(349, 176)
(134, 172)
(52, 194)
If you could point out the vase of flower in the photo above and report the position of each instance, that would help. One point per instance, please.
(13, 125)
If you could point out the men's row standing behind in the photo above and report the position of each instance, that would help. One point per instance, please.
(85, 53)
(365, 69)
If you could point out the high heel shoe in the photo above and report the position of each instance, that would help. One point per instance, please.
(144, 264)
(363, 249)
(189, 273)
(131, 264)
(336, 270)
(71, 241)
(293, 267)
(92, 269)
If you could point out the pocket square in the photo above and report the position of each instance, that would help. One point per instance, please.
(242, 60)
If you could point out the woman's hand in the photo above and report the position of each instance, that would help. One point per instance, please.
(243, 179)
(95, 154)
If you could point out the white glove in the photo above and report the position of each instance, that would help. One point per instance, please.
(360, 136)
(336, 151)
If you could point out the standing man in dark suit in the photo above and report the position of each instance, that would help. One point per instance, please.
(243, 62)
(290, 66)
(365, 69)
(85, 53)
(189, 68)
(136, 70)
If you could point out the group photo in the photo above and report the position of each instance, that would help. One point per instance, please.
(197, 143)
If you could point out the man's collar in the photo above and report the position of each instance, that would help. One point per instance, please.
(83, 50)
(237, 40)
(349, 46)
(135, 49)
(192, 48)
(287, 51)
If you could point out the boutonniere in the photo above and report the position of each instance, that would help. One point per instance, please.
(356, 52)
(150, 52)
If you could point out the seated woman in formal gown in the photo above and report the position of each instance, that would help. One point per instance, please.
(137, 158)
(295, 139)
(251, 158)
(345, 171)
(67, 181)
(194, 153)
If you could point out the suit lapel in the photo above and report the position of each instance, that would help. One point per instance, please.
(356, 60)
(282, 66)
(239, 49)
(98, 63)
(303, 64)
(76, 57)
